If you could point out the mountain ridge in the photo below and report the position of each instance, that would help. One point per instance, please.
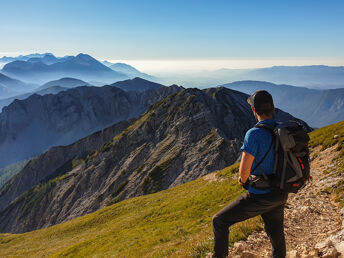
(180, 138)
(81, 66)
(69, 115)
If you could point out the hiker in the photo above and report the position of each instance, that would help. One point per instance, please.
(268, 202)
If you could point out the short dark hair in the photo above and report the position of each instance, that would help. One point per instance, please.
(262, 102)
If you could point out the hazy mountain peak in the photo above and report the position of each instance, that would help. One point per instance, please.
(137, 84)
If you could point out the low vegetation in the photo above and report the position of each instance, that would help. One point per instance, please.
(175, 223)
(330, 136)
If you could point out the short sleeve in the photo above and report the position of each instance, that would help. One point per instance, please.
(250, 143)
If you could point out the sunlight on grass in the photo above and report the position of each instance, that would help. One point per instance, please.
(174, 222)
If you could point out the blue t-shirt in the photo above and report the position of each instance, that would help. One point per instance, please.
(257, 142)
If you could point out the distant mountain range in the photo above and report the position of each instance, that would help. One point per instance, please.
(317, 107)
(314, 76)
(51, 87)
(136, 84)
(130, 71)
(182, 137)
(7, 59)
(11, 87)
(82, 66)
(50, 90)
(31, 126)
(65, 83)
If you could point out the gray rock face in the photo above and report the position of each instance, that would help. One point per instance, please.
(29, 127)
(56, 161)
(180, 138)
(51, 90)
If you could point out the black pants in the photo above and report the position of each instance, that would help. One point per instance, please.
(270, 206)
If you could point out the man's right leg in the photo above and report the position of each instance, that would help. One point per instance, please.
(241, 209)
(273, 224)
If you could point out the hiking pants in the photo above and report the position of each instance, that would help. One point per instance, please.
(270, 206)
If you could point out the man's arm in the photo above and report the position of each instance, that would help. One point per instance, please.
(245, 167)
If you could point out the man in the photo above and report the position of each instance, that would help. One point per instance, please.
(269, 203)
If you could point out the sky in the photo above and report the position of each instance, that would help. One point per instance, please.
(173, 34)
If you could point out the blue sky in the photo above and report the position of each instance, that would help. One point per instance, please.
(175, 30)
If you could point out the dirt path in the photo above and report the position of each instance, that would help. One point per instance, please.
(310, 218)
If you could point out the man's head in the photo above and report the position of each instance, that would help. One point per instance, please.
(262, 104)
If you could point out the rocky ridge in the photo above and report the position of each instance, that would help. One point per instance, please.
(182, 137)
(30, 126)
(56, 161)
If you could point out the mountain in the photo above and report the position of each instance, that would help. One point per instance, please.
(64, 82)
(81, 66)
(312, 76)
(60, 159)
(50, 90)
(177, 222)
(130, 71)
(5, 91)
(180, 138)
(315, 76)
(107, 63)
(31, 126)
(47, 59)
(10, 87)
(136, 84)
(317, 107)
(7, 59)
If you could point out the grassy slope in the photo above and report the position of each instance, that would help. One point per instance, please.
(174, 222)
(325, 137)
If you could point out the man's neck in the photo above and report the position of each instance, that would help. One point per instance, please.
(261, 118)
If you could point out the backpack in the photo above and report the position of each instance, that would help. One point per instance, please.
(291, 169)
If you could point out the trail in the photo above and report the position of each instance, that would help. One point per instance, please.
(311, 217)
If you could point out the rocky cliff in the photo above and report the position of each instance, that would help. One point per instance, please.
(180, 138)
(30, 126)
(56, 161)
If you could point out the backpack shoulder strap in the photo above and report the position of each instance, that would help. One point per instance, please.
(270, 129)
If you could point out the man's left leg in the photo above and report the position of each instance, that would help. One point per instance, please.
(243, 208)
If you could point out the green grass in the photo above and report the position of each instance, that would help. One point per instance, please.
(324, 137)
(171, 223)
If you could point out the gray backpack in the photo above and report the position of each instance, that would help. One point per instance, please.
(291, 159)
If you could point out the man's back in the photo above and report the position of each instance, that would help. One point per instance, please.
(257, 142)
